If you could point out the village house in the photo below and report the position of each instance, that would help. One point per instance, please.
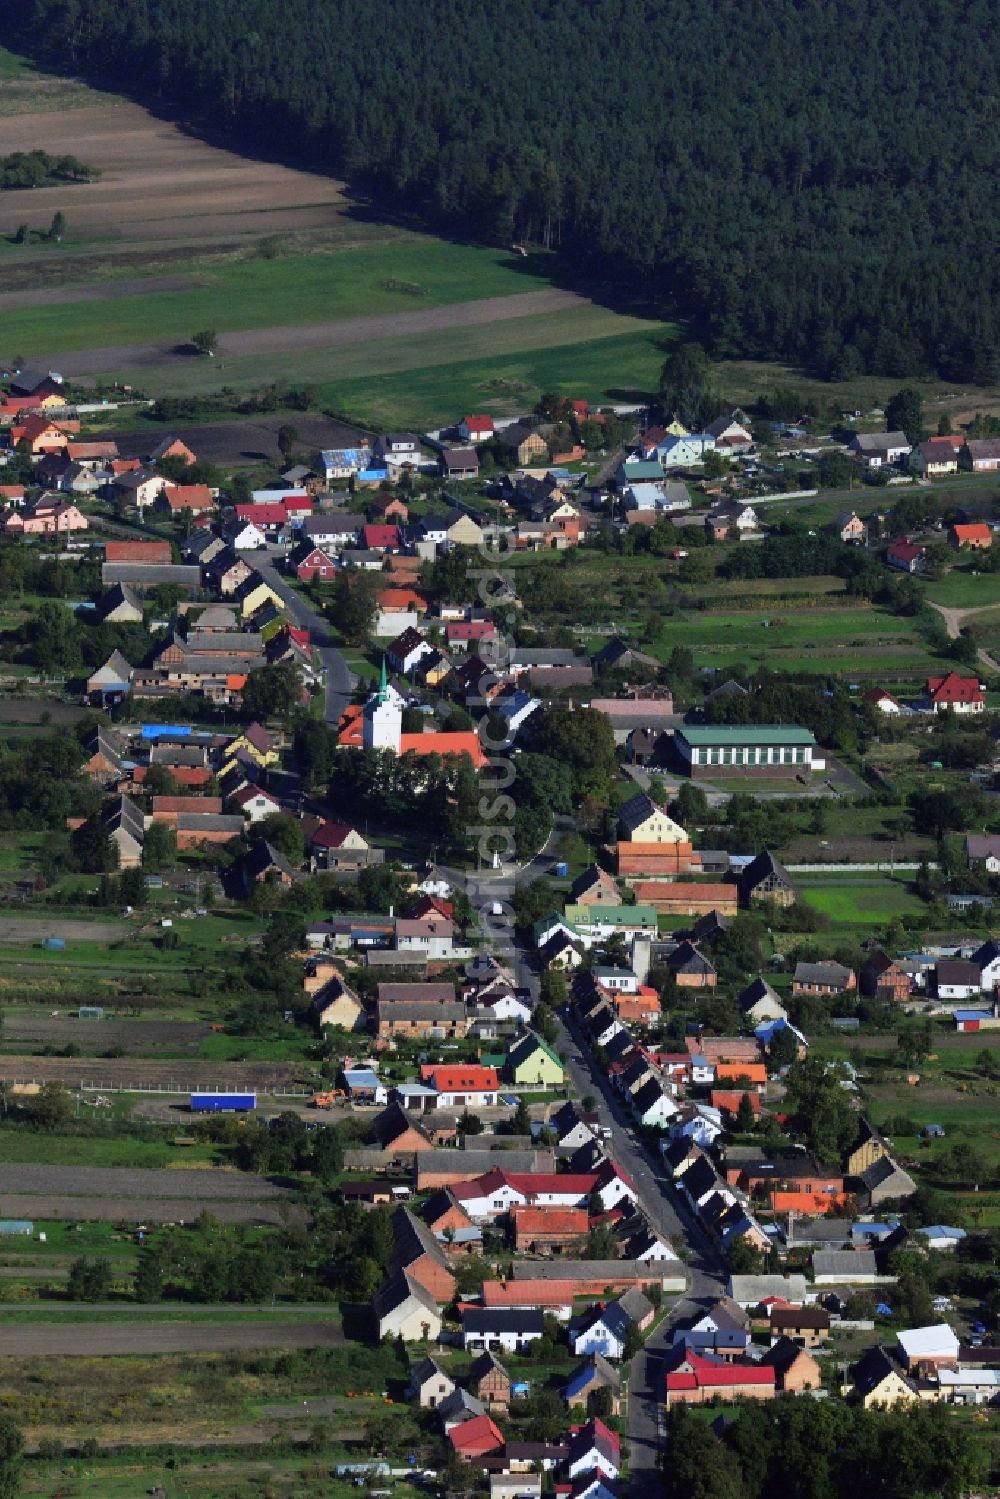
(523, 445)
(955, 694)
(696, 1379)
(906, 556)
(403, 1309)
(981, 455)
(795, 1370)
(936, 457)
(509, 1330)
(878, 449)
(825, 977)
(765, 879)
(850, 527)
(429, 1384)
(974, 537)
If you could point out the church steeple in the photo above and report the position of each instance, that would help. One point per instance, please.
(383, 695)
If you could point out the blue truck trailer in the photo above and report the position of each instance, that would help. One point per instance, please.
(223, 1103)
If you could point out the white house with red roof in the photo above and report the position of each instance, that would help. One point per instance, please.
(495, 1192)
(905, 556)
(955, 694)
(463, 1086)
(476, 429)
(254, 802)
(697, 1378)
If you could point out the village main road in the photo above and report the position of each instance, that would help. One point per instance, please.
(338, 679)
(703, 1262)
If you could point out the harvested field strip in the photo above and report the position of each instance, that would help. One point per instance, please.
(110, 1182)
(99, 291)
(84, 1340)
(165, 1077)
(135, 1210)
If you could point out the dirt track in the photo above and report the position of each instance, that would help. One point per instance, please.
(33, 929)
(92, 1339)
(264, 342)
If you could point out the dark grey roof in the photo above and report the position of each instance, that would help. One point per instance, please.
(151, 573)
(503, 1319)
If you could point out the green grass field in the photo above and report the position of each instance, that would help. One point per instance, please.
(266, 293)
(606, 364)
(803, 640)
(867, 902)
(965, 589)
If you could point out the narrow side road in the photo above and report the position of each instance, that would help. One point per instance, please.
(338, 677)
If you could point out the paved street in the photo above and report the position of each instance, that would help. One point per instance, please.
(704, 1263)
(339, 681)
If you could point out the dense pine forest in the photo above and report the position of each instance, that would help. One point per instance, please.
(814, 180)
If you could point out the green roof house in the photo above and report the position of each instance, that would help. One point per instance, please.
(531, 1060)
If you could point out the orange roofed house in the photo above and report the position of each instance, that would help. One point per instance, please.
(976, 537)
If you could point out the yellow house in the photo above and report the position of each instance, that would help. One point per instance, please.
(880, 1385)
(254, 741)
(254, 595)
(335, 1005)
(677, 428)
(642, 821)
(531, 1061)
(465, 532)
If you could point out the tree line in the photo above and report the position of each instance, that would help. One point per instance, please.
(805, 184)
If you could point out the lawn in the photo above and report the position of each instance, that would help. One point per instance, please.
(293, 290)
(606, 365)
(864, 902)
(965, 589)
(28, 1148)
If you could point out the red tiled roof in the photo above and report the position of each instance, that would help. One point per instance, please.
(516, 1293)
(374, 536)
(331, 834)
(137, 551)
(954, 689)
(189, 497)
(457, 1079)
(265, 514)
(478, 1435)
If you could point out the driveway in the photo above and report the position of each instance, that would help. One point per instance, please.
(338, 678)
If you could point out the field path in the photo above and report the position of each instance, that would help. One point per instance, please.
(954, 619)
(264, 342)
(92, 1339)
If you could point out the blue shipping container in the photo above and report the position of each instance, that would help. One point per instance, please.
(562, 870)
(54, 944)
(157, 730)
(222, 1103)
